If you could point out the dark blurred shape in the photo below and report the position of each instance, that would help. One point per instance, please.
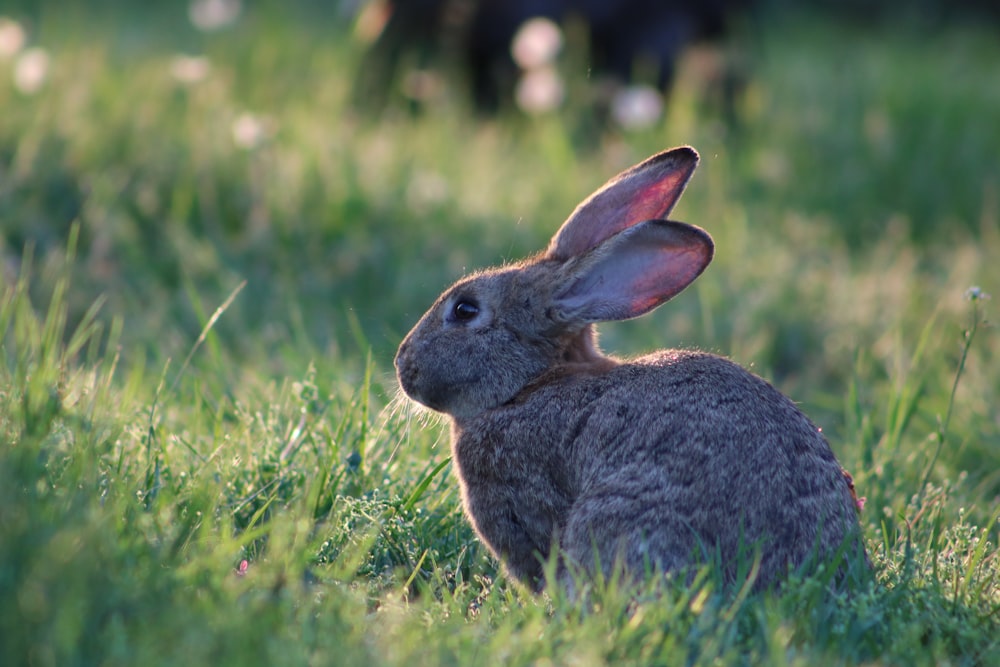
(406, 29)
(629, 41)
(893, 11)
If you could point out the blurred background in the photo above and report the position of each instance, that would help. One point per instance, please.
(350, 159)
(244, 205)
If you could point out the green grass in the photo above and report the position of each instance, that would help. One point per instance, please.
(196, 338)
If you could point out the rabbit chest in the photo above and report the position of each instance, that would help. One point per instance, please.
(522, 466)
(516, 487)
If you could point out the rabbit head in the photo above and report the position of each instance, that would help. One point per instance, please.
(495, 332)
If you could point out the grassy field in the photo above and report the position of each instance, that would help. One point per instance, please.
(205, 273)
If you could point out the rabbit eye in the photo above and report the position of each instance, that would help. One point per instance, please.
(465, 311)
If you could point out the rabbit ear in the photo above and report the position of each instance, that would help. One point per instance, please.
(647, 191)
(632, 273)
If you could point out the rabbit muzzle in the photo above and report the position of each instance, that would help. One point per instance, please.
(423, 386)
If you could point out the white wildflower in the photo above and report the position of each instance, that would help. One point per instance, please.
(251, 131)
(536, 44)
(189, 70)
(12, 37)
(31, 70)
(539, 90)
(211, 15)
(637, 107)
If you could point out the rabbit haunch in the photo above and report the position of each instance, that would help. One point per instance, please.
(660, 462)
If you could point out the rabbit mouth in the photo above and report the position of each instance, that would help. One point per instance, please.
(434, 395)
(453, 397)
(435, 400)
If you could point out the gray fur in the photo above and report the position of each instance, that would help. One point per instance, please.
(661, 462)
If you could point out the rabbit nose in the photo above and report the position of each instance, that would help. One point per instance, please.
(401, 353)
(409, 376)
(406, 370)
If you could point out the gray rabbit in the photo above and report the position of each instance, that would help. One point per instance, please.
(658, 463)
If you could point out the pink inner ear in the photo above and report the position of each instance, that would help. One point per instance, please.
(634, 272)
(647, 191)
(665, 275)
(656, 200)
